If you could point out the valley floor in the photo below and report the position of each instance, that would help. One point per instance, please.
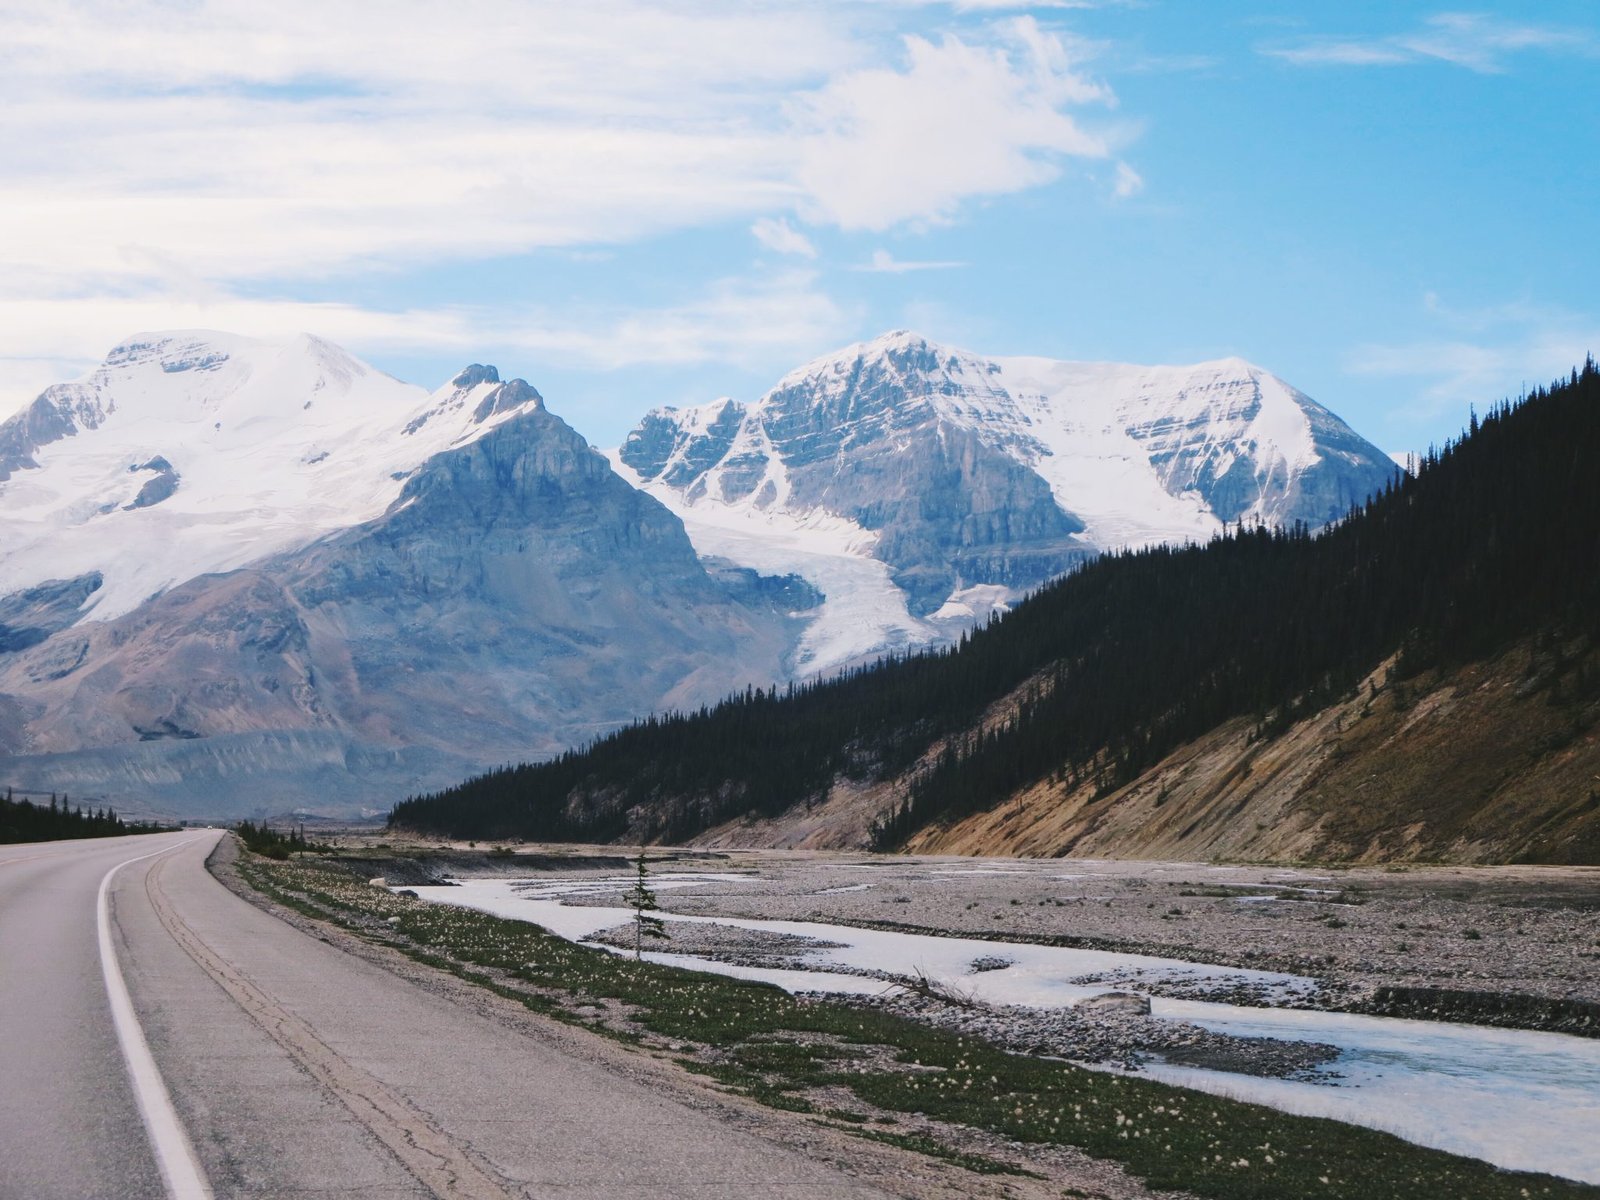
(996, 957)
(1523, 933)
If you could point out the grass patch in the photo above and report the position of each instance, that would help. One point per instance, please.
(776, 1048)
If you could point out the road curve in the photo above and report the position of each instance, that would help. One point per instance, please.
(296, 1070)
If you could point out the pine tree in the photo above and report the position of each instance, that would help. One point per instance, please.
(643, 902)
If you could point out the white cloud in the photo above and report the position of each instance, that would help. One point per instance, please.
(1471, 40)
(751, 323)
(244, 141)
(1129, 182)
(164, 158)
(777, 235)
(961, 121)
(759, 323)
(884, 263)
(1481, 356)
(234, 140)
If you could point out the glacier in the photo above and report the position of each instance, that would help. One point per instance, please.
(920, 488)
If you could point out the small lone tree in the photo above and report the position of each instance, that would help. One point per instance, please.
(643, 902)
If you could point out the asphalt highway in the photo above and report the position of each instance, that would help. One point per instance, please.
(161, 1037)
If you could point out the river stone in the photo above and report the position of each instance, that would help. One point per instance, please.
(1128, 1003)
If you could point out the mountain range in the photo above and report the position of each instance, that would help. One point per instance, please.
(1418, 681)
(920, 488)
(242, 576)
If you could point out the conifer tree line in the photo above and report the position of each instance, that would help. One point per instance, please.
(266, 841)
(1497, 538)
(25, 821)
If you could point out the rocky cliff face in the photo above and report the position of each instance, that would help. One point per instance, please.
(514, 598)
(974, 480)
(943, 506)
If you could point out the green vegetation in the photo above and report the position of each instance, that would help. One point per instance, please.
(24, 821)
(269, 843)
(1121, 662)
(799, 1055)
(643, 902)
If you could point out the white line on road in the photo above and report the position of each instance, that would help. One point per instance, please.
(180, 1169)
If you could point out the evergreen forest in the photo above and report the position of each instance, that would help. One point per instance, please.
(25, 821)
(1496, 539)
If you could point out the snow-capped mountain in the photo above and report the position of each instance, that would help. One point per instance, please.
(241, 576)
(196, 452)
(919, 487)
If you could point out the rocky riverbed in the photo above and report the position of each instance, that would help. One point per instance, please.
(1112, 1028)
(1530, 935)
(1515, 946)
(1120, 1036)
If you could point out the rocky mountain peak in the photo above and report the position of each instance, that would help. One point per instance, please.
(899, 355)
(172, 352)
(473, 374)
(974, 479)
(266, 444)
(507, 397)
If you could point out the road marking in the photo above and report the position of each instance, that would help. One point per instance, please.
(6, 862)
(180, 1169)
(432, 1156)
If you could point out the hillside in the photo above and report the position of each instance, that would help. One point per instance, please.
(1103, 677)
(1491, 762)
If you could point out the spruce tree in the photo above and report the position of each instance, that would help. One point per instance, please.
(643, 902)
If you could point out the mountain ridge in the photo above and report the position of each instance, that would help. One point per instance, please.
(265, 569)
(1086, 691)
(502, 593)
(975, 480)
(263, 444)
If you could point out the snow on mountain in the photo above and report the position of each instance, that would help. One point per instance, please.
(239, 576)
(196, 452)
(251, 568)
(863, 612)
(920, 487)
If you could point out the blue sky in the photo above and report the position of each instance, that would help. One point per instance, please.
(1392, 206)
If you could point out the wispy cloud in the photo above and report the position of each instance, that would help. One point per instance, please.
(1471, 40)
(777, 235)
(1017, 5)
(1129, 183)
(1479, 356)
(884, 263)
(749, 322)
(247, 149)
(229, 148)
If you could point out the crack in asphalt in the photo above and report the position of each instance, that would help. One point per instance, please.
(437, 1162)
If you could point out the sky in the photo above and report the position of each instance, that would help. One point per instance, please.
(1391, 206)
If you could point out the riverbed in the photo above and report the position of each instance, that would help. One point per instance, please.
(1519, 1099)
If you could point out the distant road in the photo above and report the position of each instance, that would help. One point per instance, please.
(296, 1070)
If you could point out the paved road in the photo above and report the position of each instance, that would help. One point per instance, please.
(296, 1070)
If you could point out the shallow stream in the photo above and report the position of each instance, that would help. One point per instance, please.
(1525, 1100)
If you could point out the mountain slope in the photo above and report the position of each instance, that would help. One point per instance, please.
(395, 620)
(1100, 677)
(195, 452)
(919, 487)
(1490, 761)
